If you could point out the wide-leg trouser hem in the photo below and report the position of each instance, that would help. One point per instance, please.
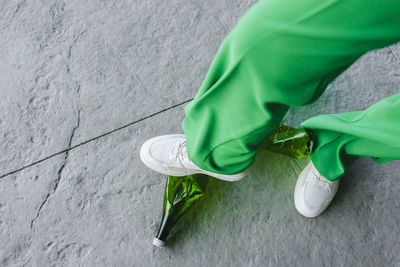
(343, 138)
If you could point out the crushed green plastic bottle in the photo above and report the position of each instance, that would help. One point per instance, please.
(182, 193)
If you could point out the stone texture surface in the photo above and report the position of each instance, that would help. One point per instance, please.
(100, 63)
(39, 104)
(74, 70)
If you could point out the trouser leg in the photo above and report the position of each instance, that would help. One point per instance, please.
(280, 54)
(343, 138)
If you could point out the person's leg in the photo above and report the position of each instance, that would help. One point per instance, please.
(343, 138)
(281, 53)
(340, 140)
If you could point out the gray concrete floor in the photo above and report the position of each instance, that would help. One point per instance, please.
(73, 191)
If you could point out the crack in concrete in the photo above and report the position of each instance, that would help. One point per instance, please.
(394, 55)
(19, 5)
(69, 53)
(64, 248)
(60, 170)
(133, 75)
(93, 139)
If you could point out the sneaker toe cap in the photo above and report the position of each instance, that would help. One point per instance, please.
(311, 200)
(156, 150)
(316, 197)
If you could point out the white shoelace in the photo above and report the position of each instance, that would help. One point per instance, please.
(319, 179)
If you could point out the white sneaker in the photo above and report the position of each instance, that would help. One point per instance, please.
(313, 192)
(167, 154)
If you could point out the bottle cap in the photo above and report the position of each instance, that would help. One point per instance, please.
(158, 243)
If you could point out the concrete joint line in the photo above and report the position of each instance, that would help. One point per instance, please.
(93, 139)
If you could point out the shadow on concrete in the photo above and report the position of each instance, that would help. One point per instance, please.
(272, 176)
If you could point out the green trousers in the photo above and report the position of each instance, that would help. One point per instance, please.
(284, 53)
